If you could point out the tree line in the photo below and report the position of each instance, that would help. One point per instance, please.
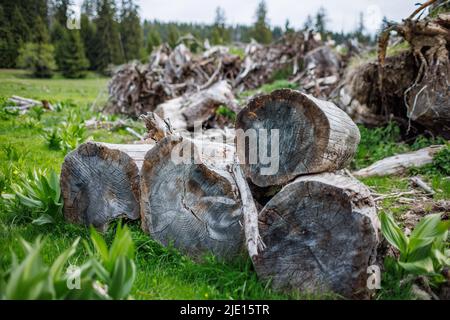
(42, 35)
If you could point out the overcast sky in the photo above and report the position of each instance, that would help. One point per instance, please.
(343, 14)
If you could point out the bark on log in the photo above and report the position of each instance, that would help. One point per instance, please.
(314, 136)
(200, 106)
(196, 204)
(399, 163)
(320, 233)
(100, 183)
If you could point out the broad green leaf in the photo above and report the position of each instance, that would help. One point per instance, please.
(424, 266)
(99, 245)
(62, 259)
(43, 219)
(441, 258)
(430, 226)
(122, 278)
(393, 233)
(122, 244)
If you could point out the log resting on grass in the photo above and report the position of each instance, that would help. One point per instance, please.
(100, 182)
(320, 233)
(399, 163)
(194, 205)
(314, 136)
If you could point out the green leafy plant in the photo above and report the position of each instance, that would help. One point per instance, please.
(7, 109)
(226, 112)
(41, 193)
(11, 152)
(425, 251)
(72, 134)
(114, 266)
(32, 279)
(109, 273)
(53, 138)
(36, 112)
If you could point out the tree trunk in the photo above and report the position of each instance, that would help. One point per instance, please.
(184, 111)
(314, 136)
(193, 201)
(320, 233)
(399, 163)
(100, 182)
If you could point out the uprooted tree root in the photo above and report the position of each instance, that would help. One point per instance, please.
(413, 86)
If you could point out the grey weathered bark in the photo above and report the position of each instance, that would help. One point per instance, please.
(320, 233)
(197, 107)
(314, 136)
(194, 204)
(100, 182)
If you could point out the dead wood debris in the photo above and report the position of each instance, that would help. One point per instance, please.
(411, 87)
(22, 104)
(172, 73)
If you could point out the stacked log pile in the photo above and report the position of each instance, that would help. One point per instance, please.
(316, 232)
(320, 230)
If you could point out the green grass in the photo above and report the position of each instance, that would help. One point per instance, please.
(17, 82)
(267, 88)
(163, 273)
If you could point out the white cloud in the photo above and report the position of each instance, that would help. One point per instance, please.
(342, 14)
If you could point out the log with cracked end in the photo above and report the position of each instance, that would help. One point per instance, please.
(100, 183)
(321, 234)
(313, 136)
(189, 197)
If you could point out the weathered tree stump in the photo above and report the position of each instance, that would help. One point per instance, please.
(314, 136)
(193, 202)
(100, 182)
(320, 233)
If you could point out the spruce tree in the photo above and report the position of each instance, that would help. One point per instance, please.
(220, 34)
(61, 11)
(153, 40)
(58, 36)
(8, 52)
(38, 55)
(108, 50)
(320, 24)
(131, 31)
(73, 62)
(173, 35)
(88, 36)
(261, 31)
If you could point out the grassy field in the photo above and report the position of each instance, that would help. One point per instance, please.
(163, 273)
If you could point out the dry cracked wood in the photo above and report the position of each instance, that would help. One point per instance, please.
(196, 108)
(100, 183)
(399, 163)
(195, 205)
(320, 233)
(314, 136)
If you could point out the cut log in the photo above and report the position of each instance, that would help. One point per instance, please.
(399, 163)
(190, 199)
(314, 136)
(321, 234)
(100, 183)
(184, 111)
